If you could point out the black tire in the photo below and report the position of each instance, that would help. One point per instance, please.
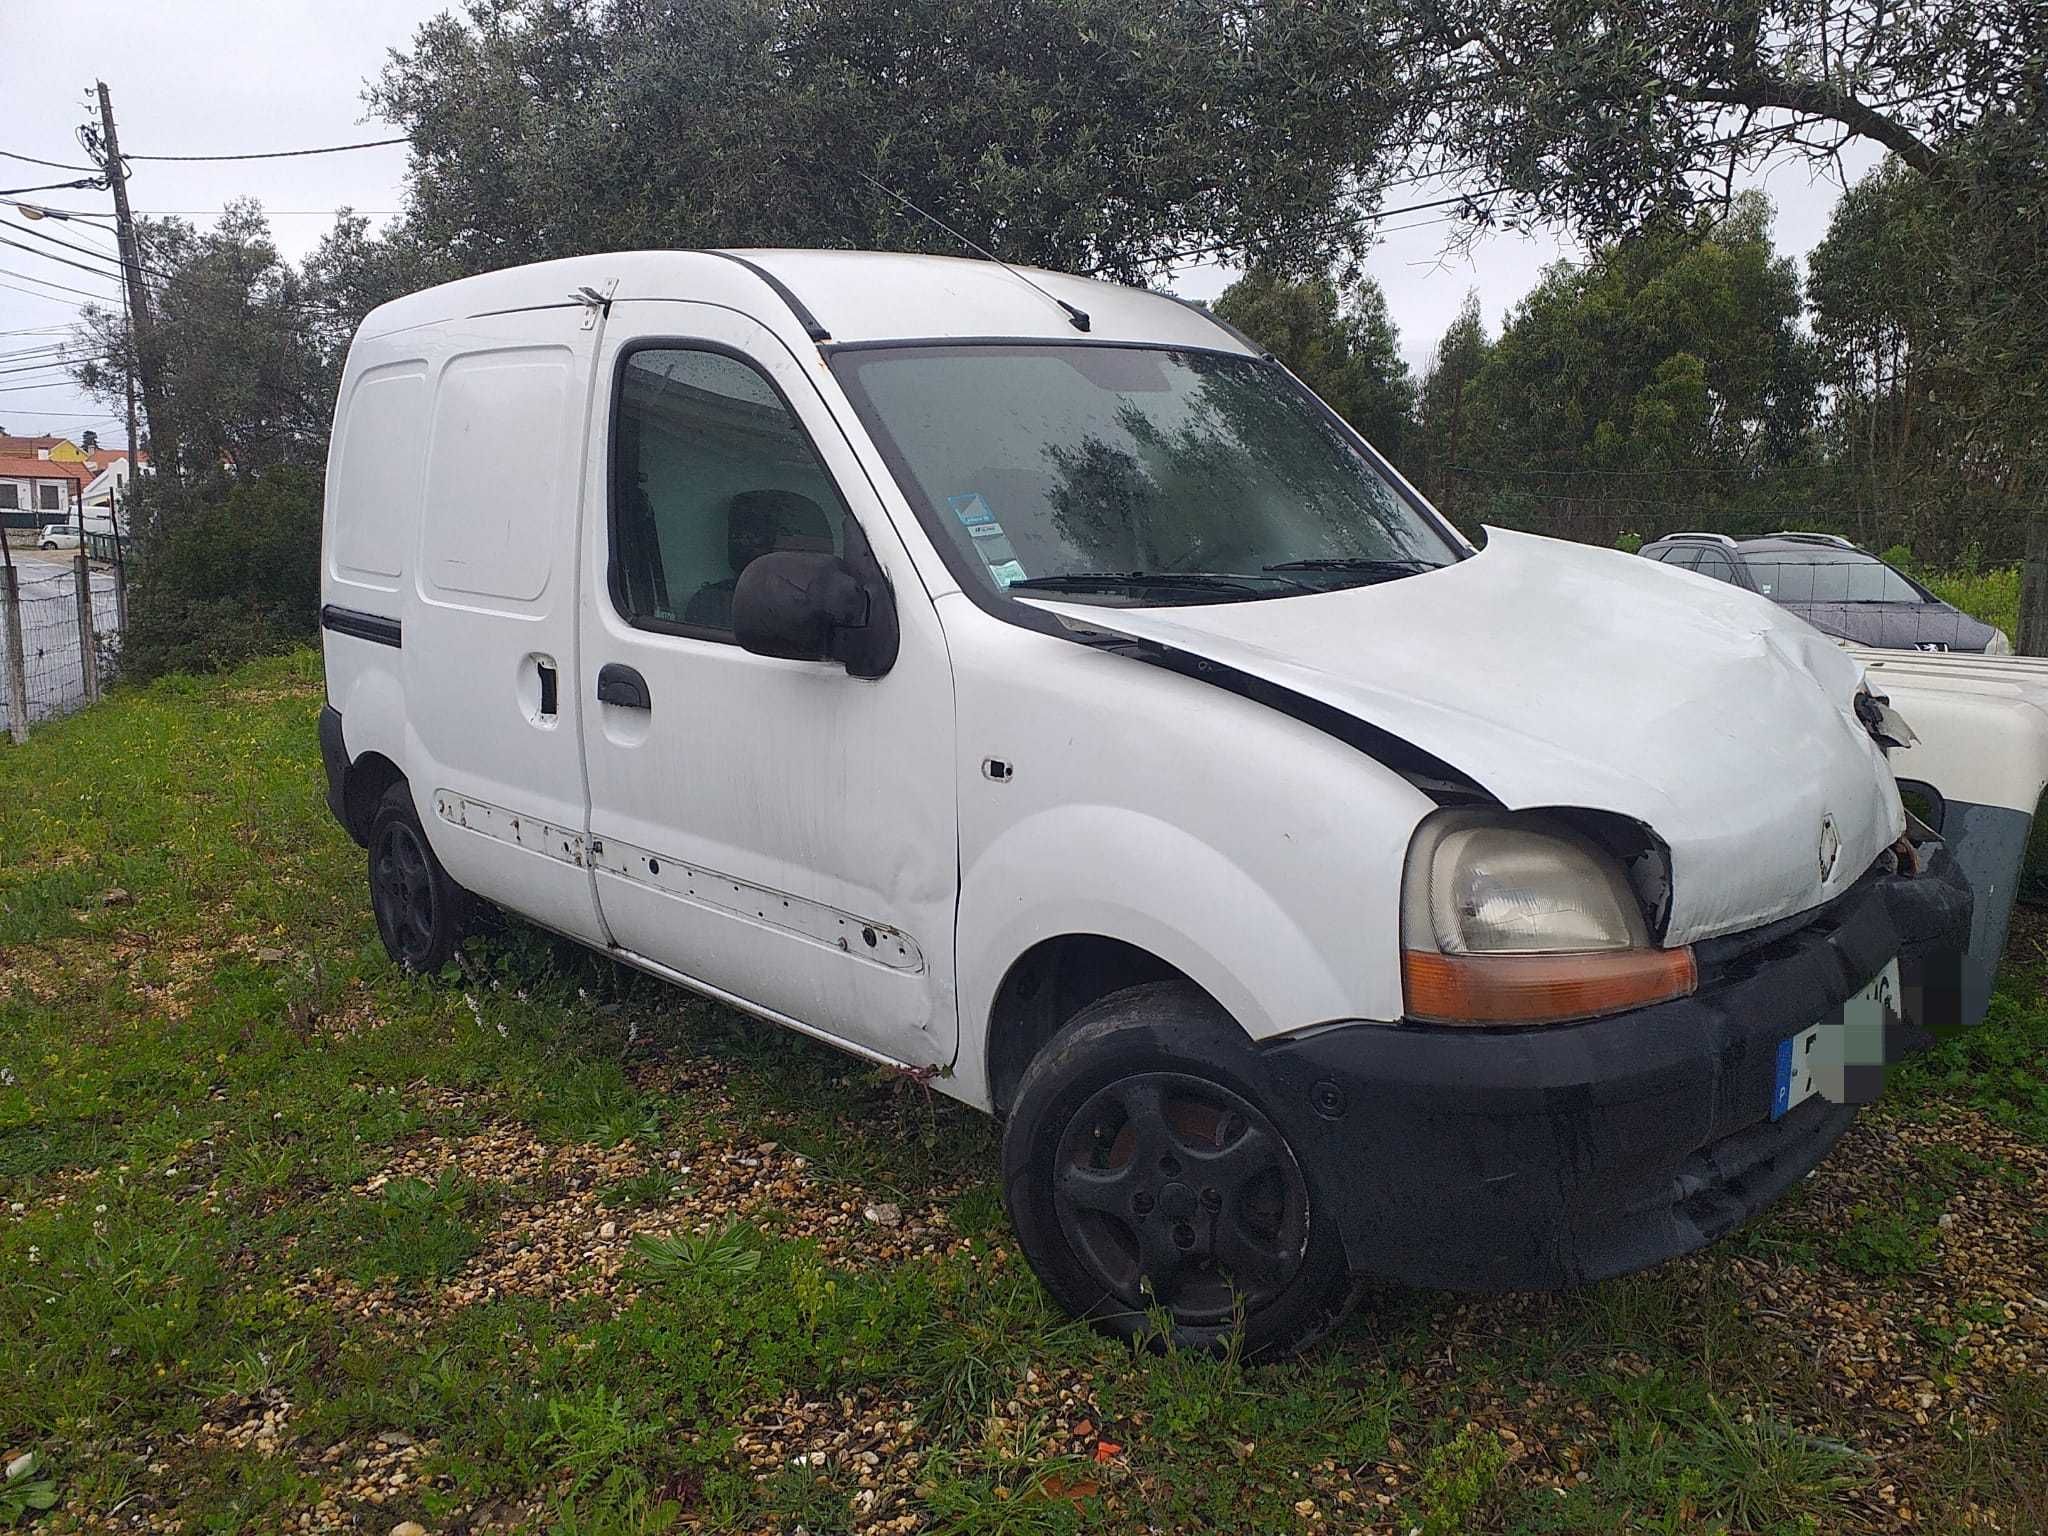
(1140, 1169)
(422, 915)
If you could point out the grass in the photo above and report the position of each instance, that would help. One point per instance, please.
(549, 1247)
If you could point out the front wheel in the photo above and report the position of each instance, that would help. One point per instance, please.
(1141, 1171)
(422, 914)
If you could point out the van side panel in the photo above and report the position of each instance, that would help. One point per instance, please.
(1244, 848)
(493, 754)
(449, 584)
(376, 474)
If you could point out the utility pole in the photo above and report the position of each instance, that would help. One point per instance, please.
(134, 486)
(141, 338)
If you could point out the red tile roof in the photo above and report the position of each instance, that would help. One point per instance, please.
(18, 468)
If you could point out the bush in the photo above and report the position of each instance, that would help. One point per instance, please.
(226, 576)
(1993, 595)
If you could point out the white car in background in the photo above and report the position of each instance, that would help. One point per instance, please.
(58, 536)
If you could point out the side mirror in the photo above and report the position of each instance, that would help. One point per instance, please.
(812, 607)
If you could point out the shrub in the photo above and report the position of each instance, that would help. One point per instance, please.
(225, 575)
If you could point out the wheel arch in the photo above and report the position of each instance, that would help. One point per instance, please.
(368, 779)
(1046, 986)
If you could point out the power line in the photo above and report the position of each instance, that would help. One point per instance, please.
(85, 183)
(55, 165)
(61, 260)
(62, 364)
(282, 154)
(48, 297)
(85, 293)
(69, 245)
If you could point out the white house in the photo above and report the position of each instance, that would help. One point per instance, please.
(106, 493)
(35, 491)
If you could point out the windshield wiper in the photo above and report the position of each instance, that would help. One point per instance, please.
(1355, 563)
(1119, 581)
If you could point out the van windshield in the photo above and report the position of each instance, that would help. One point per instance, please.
(1133, 475)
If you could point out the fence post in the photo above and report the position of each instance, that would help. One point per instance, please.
(88, 641)
(17, 665)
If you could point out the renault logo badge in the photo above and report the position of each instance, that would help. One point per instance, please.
(1830, 847)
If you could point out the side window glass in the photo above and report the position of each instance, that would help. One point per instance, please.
(710, 471)
(1789, 581)
(1682, 556)
(1716, 565)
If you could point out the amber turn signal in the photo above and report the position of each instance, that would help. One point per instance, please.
(1541, 989)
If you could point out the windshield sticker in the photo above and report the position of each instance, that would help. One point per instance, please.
(972, 508)
(990, 542)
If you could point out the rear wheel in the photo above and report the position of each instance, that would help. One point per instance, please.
(1142, 1171)
(422, 914)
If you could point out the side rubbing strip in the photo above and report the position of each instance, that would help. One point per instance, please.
(797, 307)
(364, 626)
(1426, 771)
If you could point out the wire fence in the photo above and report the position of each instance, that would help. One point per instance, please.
(53, 669)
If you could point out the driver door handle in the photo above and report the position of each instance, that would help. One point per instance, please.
(623, 686)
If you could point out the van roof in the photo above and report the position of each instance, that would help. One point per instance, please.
(852, 296)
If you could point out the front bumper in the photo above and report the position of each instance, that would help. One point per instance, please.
(1529, 1159)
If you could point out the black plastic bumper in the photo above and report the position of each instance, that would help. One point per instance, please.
(334, 758)
(1530, 1159)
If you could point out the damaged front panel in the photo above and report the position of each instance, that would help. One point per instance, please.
(1553, 675)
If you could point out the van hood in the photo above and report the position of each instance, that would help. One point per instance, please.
(1556, 674)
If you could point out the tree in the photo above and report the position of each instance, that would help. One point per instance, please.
(1342, 343)
(1083, 134)
(89, 441)
(230, 574)
(242, 358)
(1608, 115)
(1668, 367)
(228, 544)
(1440, 433)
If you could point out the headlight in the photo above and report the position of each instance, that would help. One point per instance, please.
(1521, 920)
(2000, 644)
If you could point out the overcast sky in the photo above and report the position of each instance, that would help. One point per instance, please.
(209, 77)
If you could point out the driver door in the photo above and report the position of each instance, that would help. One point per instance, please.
(775, 831)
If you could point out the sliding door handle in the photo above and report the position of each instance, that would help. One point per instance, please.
(623, 686)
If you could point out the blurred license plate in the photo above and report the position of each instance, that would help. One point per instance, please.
(1815, 1056)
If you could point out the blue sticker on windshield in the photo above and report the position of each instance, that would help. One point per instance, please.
(989, 540)
(971, 507)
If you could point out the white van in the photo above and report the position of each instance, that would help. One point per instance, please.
(1025, 681)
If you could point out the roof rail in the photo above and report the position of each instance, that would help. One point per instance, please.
(1834, 539)
(1717, 538)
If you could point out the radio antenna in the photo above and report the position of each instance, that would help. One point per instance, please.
(1076, 317)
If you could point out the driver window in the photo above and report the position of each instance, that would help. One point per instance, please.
(710, 471)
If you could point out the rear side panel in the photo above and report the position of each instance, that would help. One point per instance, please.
(449, 586)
